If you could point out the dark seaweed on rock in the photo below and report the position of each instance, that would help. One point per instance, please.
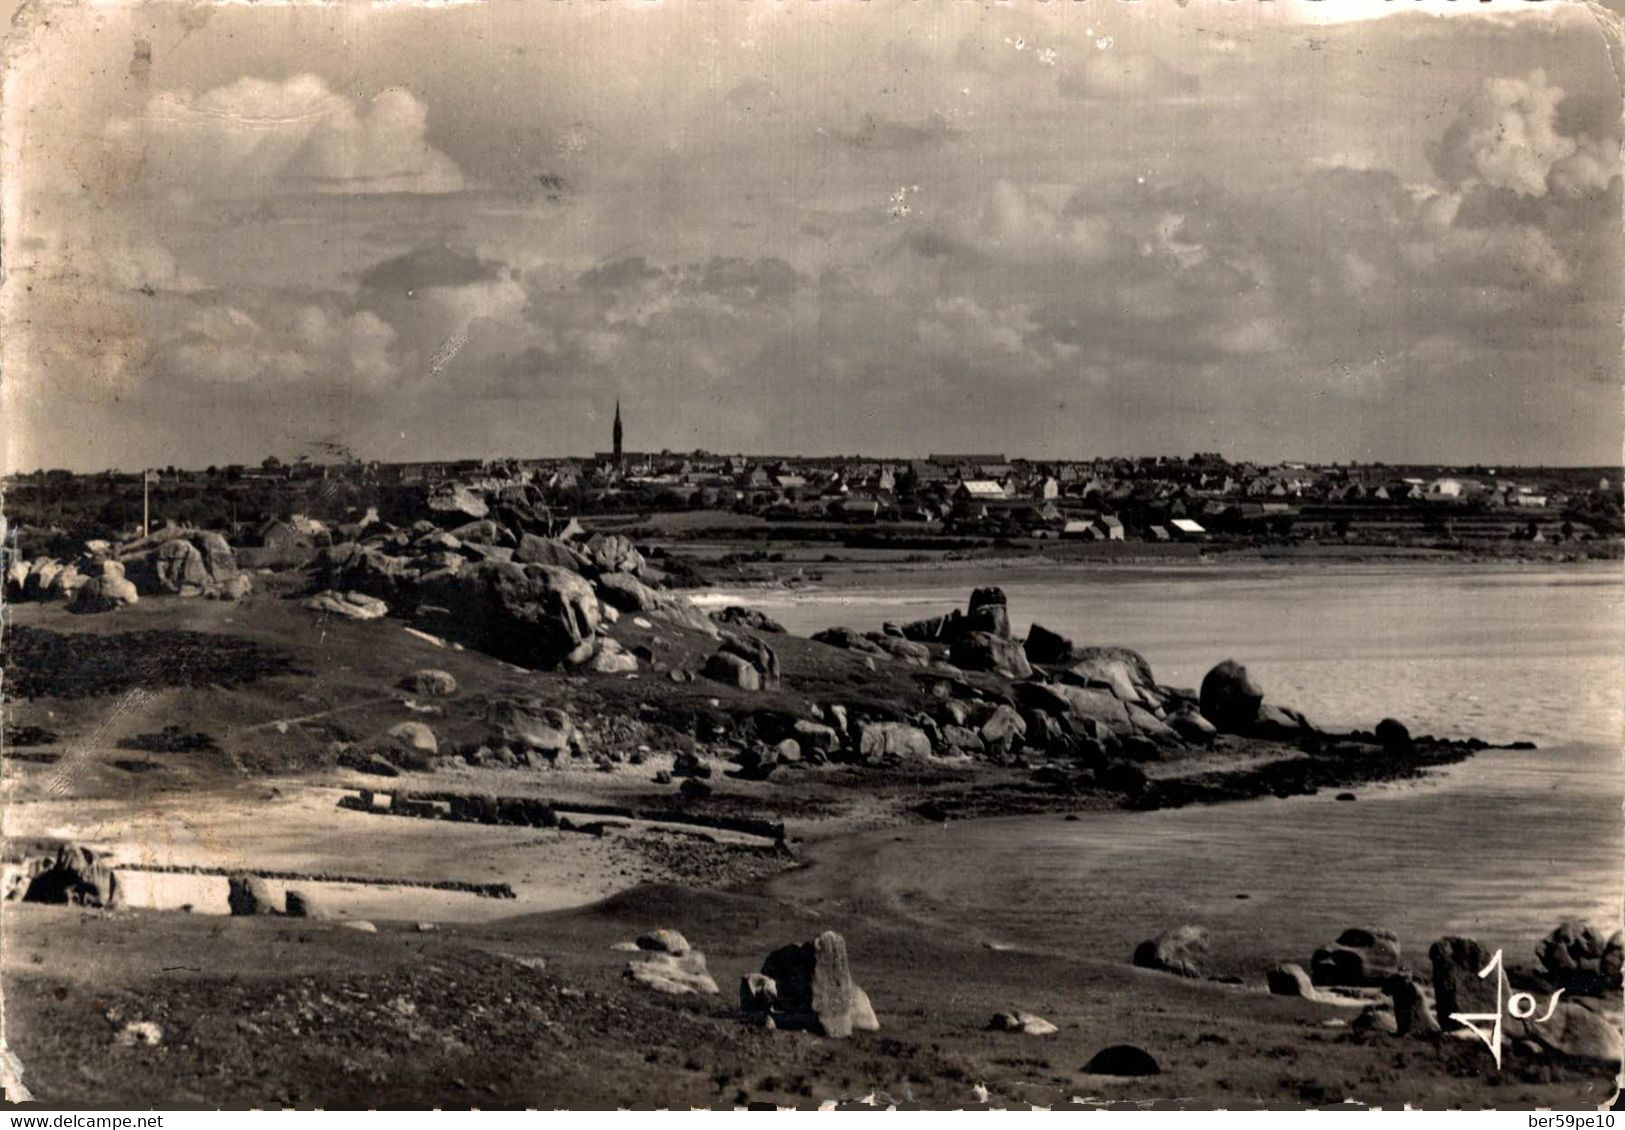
(41, 663)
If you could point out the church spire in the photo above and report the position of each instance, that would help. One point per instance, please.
(617, 432)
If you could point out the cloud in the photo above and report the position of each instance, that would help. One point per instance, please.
(280, 341)
(255, 136)
(881, 133)
(1118, 74)
(1508, 137)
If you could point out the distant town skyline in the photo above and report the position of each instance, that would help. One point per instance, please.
(1055, 230)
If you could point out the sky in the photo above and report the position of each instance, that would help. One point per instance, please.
(1284, 229)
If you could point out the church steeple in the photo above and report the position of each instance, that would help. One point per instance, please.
(617, 432)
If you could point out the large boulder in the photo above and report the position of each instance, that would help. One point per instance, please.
(533, 550)
(103, 594)
(758, 654)
(1181, 951)
(1574, 1032)
(626, 593)
(69, 579)
(1289, 979)
(1079, 705)
(988, 612)
(612, 553)
(299, 902)
(815, 737)
(1411, 1014)
(1457, 986)
(849, 640)
(249, 895)
(218, 558)
(935, 629)
(1229, 697)
(1046, 648)
(733, 671)
(525, 727)
(1573, 956)
(610, 658)
(537, 615)
(1362, 955)
(891, 739)
(53, 871)
(904, 651)
(457, 501)
(814, 988)
(1123, 672)
(985, 651)
(1003, 731)
(1393, 736)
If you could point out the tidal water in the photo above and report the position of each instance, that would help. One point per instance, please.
(1500, 847)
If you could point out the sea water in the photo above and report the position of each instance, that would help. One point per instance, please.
(1500, 847)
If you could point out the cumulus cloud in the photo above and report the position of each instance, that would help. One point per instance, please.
(280, 342)
(256, 135)
(1508, 137)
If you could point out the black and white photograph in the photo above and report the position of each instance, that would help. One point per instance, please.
(575, 555)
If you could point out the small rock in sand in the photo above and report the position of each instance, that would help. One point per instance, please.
(1026, 1023)
(361, 926)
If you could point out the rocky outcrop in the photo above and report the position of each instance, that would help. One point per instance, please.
(988, 612)
(848, 640)
(985, 651)
(1046, 648)
(1182, 951)
(744, 662)
(103, 594)
(612, 553)
(814, 990)
(537, 615)
(1360, 956)
(675, 974)
(533, 550)
(736, 616)
(53, 871)
(1229, 697)
(877, 740)
(1123, 672)
(1393, 736)
(1580, 958)
(1574, 1032)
